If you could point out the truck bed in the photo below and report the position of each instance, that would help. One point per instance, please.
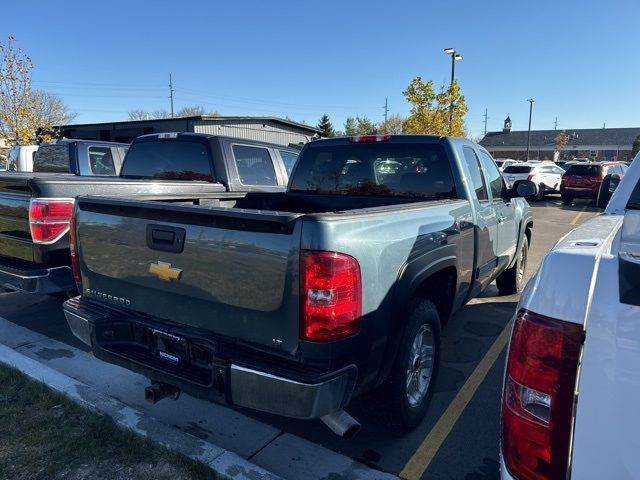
(238, 266)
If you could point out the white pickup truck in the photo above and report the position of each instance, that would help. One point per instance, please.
(572, 383)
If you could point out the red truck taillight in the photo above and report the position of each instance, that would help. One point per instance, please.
(539, 395)
(330, 296)
(369, 138)
(49, 218)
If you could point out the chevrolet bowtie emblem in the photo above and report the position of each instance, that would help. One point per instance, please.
(164, 271)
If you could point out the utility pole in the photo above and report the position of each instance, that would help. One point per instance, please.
(531, 102)
(386, 109)
(486, 117)
(171, 93)
(555, 124)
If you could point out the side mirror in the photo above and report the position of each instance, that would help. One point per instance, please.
(523, 188)
(607, 187)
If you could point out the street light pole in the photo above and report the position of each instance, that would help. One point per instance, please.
(454, 57)
(531, 102)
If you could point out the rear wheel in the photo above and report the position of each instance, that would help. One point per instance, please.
(540, 195)
(414, 373)
(511, 281)
(567, 200)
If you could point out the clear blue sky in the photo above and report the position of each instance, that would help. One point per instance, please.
(577, 58)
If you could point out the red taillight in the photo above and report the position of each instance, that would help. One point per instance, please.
(49, 218)
(330, 296)
(538, 397)
(530, 178)
(73, 248)
(369, 138)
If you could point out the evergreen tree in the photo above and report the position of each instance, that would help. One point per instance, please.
(326, 127)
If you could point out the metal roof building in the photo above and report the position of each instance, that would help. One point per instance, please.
(596, 143)
(265, 129)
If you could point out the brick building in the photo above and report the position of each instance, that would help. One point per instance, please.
(596, 143)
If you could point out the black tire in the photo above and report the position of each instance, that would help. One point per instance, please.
(401, 411)
(567, 200)
(540, 195)
(511, 281)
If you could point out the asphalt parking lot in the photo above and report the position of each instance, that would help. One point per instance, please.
(459, 439)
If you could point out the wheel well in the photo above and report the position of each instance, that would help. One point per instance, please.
(440, 288)
(527, 232)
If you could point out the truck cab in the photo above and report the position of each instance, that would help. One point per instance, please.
(80, 157)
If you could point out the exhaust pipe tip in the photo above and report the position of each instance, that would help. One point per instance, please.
(341, 423)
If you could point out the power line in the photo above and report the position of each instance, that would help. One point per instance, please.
(118, 87)
(102, 85)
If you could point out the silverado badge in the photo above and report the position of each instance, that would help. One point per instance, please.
(164, 271)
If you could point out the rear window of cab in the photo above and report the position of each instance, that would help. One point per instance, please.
(585, 170)
(518, 169)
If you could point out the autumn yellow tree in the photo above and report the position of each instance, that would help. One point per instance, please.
(25, 112)
(394, 125)
(435, 113)
(561, 141)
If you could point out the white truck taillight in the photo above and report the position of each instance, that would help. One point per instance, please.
(49, 218)
(539, 396)
(330, 296)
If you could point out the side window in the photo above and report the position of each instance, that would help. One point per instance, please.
(101, 161)
(52, 158)
(289, 159)
(122, 151)
(496, 183)
(558, 171)
(477, 181)
(255, 166)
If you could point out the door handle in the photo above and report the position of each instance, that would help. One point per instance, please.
(501, 219)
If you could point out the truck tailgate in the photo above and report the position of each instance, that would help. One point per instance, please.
(15, 236)
(234, 274)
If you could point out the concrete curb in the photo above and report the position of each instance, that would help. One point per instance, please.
(225, 463)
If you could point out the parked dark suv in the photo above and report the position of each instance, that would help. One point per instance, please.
(583, 180)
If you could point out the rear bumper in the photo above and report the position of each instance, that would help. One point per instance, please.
(239, 380)
(44, 280)
(574, 192)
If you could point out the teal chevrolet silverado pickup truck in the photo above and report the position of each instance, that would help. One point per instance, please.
(295, 302)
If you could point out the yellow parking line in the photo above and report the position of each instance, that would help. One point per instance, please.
(418, 463)
(577, 217)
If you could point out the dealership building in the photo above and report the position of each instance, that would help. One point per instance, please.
(599, 144)
(264, 129)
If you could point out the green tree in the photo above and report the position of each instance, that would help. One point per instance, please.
(350, 127)
(326, 127)
(440, 113)
(636, 147)
(359, 126)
